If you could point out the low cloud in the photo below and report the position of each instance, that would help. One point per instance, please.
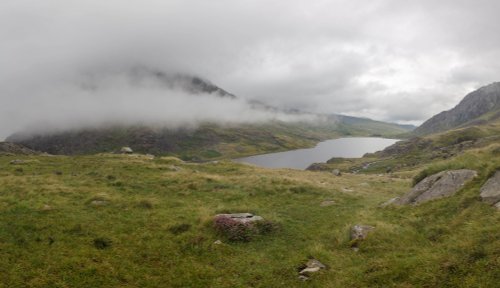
(382, 59)
(130, 98)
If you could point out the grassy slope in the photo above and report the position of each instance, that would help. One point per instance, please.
(451, 242)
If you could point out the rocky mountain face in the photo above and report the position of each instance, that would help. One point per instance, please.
(7, 148)
(171, 81)
(477, 107)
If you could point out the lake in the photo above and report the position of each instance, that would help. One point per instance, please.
(352, 147)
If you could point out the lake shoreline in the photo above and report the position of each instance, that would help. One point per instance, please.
(343, 147)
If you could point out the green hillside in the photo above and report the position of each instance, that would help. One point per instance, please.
(208, 141)
(133, 221)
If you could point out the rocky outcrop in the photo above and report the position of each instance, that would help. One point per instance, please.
(442, 184)
(490, 192)
(473, 106)
(8, 148)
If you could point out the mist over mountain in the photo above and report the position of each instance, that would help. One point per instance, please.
(141, 96)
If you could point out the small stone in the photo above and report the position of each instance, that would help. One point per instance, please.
(217, 242)
(99, 203)
(497, 205)
(241, 217)
(360, 232)
(46, 207)
(309, 270)
(174, 168)
(313, 263)
(303, 278)
(327, 203)
(126, 150)
(311, 266)
(336, 172)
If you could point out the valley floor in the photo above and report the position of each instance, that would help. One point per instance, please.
(133, 221)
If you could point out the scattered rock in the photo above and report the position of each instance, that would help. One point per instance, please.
(336, 172)
(347, 190)
(99, 203)
(218, 242)
(443, 184)
(360, 232)
(241, 217)
(389, 202)
(126, 150)
(303, 278)
(490, 192)
(174, 168)
(327, 203)
(47, 208)
(497, 205)
(17, 162)
(310, 267)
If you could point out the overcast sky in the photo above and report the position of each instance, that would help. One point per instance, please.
(391, 60)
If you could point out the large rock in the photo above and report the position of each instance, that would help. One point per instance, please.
(443, 184)
(490, 192)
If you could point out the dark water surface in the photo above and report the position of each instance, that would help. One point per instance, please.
(352, 147)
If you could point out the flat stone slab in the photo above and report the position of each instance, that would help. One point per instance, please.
(490, 192)
(439, 185)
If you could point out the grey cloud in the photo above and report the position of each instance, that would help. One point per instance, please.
(386, 59)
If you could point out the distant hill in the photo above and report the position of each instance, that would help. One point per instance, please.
(206, 141)
(477, 107)
(209, 140)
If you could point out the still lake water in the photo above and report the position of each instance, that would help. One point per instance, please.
(352, 147)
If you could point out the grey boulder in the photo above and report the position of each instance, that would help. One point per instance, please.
(490, 192)
(442, 184)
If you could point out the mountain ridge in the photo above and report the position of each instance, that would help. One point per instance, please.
(472, 107)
